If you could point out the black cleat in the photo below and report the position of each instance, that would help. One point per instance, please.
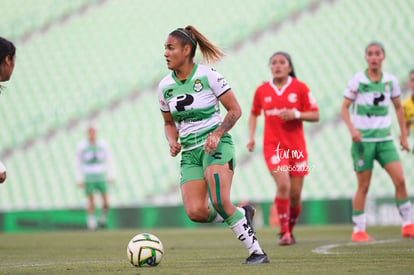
(250, 211)
(255, 258)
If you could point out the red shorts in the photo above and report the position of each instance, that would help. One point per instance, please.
(286, 160)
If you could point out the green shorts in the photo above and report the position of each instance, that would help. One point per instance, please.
(193, 162)
(99, 186)
(364, 154)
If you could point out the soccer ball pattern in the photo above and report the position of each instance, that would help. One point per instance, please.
(145, 249)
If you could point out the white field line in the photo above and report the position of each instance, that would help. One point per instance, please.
(19, 265)
(325, 249)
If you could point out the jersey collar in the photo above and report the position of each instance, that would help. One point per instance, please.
(280, 92)
(188, 78)
(380, 80)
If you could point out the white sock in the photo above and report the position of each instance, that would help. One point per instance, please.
(218, 219)
(405, 212)
(360, 222)
(246, 235)
(91, 221)
(102, 218)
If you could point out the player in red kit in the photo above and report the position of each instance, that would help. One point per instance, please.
(286, 103)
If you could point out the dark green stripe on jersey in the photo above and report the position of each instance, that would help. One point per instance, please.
(192, 116)
(375, 87)
(192, 86)
(372, 110)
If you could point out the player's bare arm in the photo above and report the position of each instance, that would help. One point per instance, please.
(171, 133)
(252, 129)
(355, 134)
(229, 102)
(399, 111)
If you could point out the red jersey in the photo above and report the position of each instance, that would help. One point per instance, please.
(287, 135)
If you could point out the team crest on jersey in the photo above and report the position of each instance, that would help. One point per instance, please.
(268, 99)
(198, 86)
(292, 97)
(387, 87)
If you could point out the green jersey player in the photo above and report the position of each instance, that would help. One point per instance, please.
(370, 93)
(94, 169)
(189, 97)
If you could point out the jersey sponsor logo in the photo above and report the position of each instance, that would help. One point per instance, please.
(378, 98)
(182, 101)
(169, 93)
(273, 112)
(224, 84)
(364, 87)
(198, 86)
(292, 97)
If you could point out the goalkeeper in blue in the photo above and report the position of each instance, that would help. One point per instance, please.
(189, 98)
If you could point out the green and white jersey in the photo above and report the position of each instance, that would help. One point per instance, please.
(94, 162)
(371, 101)
(194, 104)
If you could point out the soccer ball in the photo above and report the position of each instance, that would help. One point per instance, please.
(145, 249)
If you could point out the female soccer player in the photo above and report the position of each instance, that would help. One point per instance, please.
(7, 60)
(94, 170)
(189, 97)
(286, 102)
(371, 92)
(408, 105)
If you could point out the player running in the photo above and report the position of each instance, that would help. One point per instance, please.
(370, 93)
(286, 103)
(189, 97)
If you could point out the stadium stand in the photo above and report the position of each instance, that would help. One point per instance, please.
(99, 61)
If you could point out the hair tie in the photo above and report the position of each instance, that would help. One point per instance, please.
(189, 37)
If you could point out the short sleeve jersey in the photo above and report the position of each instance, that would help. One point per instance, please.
(194, 104)
(408, 106)
(371, 101)
(93, 161)
(294, 95)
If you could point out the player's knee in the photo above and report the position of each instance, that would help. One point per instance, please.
(399, 183)
(283, 188)
(198, 214)
(363, 188)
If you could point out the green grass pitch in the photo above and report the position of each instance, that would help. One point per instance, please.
(208, 250)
